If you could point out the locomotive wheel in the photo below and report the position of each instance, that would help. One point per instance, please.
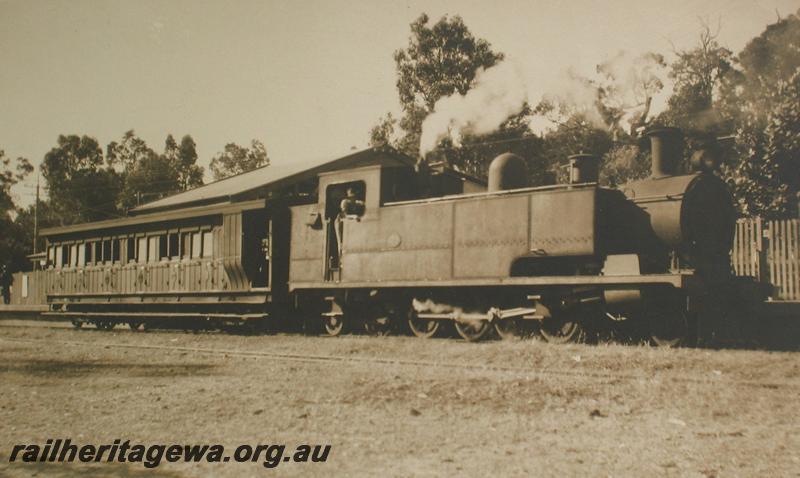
(105, 324)
(510, 329)
(77, 323)
(422, 328)
(379, 319)
(135, 325)
(472, 330)
(562, 330)
(378, 326)
(334, 324)
(623, 329)
(669, 328)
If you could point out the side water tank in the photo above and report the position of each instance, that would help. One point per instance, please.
(508, 171)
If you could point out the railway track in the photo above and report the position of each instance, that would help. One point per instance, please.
(323, 359)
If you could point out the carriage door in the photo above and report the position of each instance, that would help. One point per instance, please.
(343, 202)
(257, 247)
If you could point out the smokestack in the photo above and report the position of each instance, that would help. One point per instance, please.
(666, 150)
(583, 168)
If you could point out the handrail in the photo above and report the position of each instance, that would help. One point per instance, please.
(503, 192)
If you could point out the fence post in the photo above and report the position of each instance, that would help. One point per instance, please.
(762, 236)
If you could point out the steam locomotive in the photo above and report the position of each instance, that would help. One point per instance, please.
(369, 241)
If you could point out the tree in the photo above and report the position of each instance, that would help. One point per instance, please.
(603, 115)
(574, 135)
(79, 187)
(235, 159)
(171, 151)
(383, 133)
(623, 163)
(759, 100)
(190, 175)
(183, 159)
(151, 179)
(766, 178)
(146, 175)
(13, 246)
(697, 74)
(625, 90)
(127, 153)
(10, 176)
(440, 60)
(474, 153)
(45, 216)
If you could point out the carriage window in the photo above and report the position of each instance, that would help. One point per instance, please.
(197, 249)
(186, 245)
(131, 249)
(141, 249)
(162, 247)
(208, 244)
(73, 255)
(87, 253)
(97, 250)
(81, 255)
(107, 250)
(115, 250)
(172, 251)
(153, 243)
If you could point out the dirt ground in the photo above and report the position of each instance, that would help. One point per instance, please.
(400, 406)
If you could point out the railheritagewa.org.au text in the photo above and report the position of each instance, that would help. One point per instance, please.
(152, 455)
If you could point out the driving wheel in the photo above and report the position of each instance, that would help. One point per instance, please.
(472, 330)
(562, 330)
(422, 328)
(334, 324)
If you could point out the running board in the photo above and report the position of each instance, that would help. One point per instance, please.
(153, 315)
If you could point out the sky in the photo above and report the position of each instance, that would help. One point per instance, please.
(307, 78)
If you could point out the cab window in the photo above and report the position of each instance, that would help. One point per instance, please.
(345, 200)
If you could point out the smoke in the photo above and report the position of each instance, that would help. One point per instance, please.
(498, 93)
(566, 94)
(634, 86)
(430, 306)
(624, 92)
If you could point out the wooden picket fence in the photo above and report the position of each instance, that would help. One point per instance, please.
(770, 251)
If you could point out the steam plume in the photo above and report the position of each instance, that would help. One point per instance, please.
(632, 87)
(499, 92)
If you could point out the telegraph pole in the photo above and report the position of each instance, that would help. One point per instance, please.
(36, 216)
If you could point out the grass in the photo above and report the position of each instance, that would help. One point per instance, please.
(447, 408)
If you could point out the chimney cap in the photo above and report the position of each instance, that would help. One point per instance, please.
(583, 168)
(580, 156)
(663, 131)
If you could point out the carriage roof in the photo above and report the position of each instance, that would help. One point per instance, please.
(236, 192)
